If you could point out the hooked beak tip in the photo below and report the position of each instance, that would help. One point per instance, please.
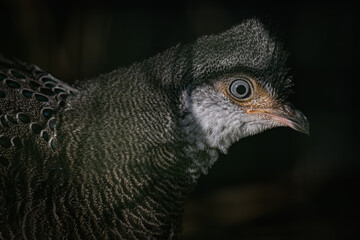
(300, 123)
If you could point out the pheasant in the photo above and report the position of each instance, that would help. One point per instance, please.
(115, 156)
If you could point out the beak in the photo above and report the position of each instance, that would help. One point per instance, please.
(286, 115)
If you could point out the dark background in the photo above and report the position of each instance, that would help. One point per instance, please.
(276, 185)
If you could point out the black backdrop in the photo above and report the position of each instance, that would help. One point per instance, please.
(277, 185)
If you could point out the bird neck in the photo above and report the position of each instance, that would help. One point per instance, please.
(197, 149)
(127, 139)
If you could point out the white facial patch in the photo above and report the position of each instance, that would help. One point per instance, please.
(216, 122)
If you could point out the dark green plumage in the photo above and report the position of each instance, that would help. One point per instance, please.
(116, 157)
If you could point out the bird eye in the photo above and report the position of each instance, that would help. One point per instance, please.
(240, 88)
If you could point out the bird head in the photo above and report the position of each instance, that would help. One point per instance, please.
(241, 85)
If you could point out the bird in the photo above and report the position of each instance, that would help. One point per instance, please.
(116, 156)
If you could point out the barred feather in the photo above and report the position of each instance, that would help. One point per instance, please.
(116, 156)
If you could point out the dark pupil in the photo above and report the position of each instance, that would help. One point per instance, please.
(241, 89)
